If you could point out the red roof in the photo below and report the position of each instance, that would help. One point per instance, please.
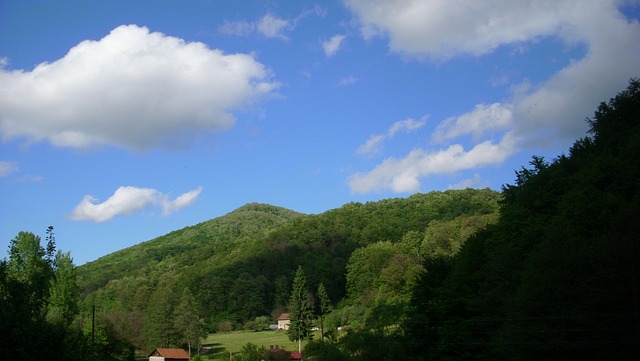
(284, 316)
(171, 353)
(295, 355)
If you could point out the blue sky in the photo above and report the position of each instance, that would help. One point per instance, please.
(121, 121)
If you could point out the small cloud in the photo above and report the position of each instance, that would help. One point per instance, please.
(129, 200)
(31, 179)
(332, 45)
(481, 119)
(273, 27)
(373, 145)
(180, 202)
(270, 25)
(6, 168)
(404, 175)
(237, 28)
(348, 80)
(475, 182)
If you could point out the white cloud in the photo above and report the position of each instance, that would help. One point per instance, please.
(482, 119)
(475, 182)
(7, 168)
(373, 145)
(348, 80)
(404, 175)
(132, 89)
(272, 26)
(183, 200)
(237, 28)
(443, 29)
(129, 200)
(332, 45)
(407, 125)
(550, 113)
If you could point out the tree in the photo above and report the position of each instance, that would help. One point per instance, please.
(32, 266)
(189, 325)
(65, 293)
(300, 311)
(324, 306)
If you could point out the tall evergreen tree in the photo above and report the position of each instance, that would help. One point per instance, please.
(324, 306)
(300, 311)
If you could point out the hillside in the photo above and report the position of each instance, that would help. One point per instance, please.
(216, 235)
(240, 266)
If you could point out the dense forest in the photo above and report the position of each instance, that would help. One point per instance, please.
(549, 268)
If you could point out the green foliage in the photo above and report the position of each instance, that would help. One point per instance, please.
(262, 323)
(39, 307)
(241, 265)
(65, 293)
(324, 306)
(365, 266)
(188, 322)
(557, 276)
(300, 310)
(323, 351)
(251, 352)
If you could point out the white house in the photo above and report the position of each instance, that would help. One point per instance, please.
(283, 321)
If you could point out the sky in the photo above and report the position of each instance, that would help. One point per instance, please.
(121, 121)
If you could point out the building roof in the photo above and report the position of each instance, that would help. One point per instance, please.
(284, 316)
(171, 353)
(295, 355)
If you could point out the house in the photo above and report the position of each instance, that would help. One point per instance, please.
(168, 354)
(283, 322)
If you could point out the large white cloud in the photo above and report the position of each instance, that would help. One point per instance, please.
(133, 89)
(443, 29)
(129, 200)
(549, 113)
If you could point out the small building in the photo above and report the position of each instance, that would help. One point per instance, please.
(168, 354)
(284, 321)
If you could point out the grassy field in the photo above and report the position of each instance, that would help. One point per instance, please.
(233, 341)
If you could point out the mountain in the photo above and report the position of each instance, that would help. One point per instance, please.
(215, 236)
(241, 265)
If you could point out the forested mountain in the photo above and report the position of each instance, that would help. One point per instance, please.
(208, 239)
(240, 266)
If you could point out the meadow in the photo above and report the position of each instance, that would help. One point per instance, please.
(234, 341)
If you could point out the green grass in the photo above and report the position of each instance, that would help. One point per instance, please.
(233, 341)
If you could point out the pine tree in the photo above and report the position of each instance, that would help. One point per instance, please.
(300, 314)
(324, 306)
